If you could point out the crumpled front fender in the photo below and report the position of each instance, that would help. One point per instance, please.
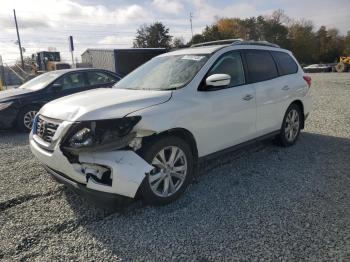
(127, 171)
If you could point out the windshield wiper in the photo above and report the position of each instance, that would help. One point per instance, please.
(170, 88)
(150, 89)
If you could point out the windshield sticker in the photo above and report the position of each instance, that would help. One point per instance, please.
(192, 57)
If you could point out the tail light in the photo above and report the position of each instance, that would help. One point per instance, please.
(307, 80)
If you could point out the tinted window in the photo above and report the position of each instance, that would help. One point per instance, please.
(97, 78)
(286, 64)
(261, 65)
(75, 80)
(230, 64)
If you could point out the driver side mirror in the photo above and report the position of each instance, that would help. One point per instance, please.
(57, 87)
(217, 80)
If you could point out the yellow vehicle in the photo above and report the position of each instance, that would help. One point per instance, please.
(343, 65)
(49, 61)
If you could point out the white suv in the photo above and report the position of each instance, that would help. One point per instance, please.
(145, 136)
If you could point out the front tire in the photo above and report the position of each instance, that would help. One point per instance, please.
(25, 118)
(174, 168)
(291, 126)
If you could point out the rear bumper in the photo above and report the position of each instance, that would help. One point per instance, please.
(100, 199)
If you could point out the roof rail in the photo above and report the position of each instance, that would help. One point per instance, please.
(252, 42)
(219, 42)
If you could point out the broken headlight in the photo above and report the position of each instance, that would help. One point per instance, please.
(83, 137)
(101, 134)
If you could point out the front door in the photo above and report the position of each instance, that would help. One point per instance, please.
(228, 114)
(70, 83)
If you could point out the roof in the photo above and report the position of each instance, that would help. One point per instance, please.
(196, 50)
(112, 49)
(212, 47)
(63, 71)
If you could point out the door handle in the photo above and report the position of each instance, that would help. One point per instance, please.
(285, 88)
(248, 97)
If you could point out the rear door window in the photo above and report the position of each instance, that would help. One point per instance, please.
(286, 64)
(73, 81)
(99, 78)
(260, 65)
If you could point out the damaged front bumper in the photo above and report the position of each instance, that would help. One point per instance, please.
(102, 199)
(108, 175)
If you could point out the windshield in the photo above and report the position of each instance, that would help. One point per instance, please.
(40, 81)
(164, 73)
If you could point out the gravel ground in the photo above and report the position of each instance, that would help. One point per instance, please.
(262, 203)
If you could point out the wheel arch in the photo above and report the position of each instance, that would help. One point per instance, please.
(182, 133)
(33, 104)
(300, 104)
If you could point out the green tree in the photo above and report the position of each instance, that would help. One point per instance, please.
(196, 39)
(272, 29)
(298, 36)
(253, 31)
(212, 33)
(346, 50)
(178, 42)
(330, 45)
(153, 36)
(302, 41)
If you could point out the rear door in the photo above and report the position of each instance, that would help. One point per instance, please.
(262, 73)
(291, 84)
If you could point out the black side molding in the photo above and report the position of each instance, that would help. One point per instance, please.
(237, 147)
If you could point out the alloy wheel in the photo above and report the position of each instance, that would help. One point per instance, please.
(292, 124)
(170, 171)
(28, 119)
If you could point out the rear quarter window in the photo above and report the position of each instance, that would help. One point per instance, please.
(260, 65)
(286, 64)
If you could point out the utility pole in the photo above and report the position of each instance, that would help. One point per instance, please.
(71, 49)
(2, 75)
(191, 16)
(18, 39)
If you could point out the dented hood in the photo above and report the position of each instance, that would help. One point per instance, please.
(104, 103)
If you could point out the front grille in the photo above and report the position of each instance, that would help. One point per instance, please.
(46, 128)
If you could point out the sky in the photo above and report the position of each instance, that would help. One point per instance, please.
(45, 24)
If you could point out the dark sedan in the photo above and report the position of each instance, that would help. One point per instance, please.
(19, 106)
(317, 68)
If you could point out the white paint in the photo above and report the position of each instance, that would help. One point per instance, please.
(103, 103)
(218, 80)
(217, 119)
(128, 171)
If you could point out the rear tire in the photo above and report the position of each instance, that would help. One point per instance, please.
(25, 118)
(342, 67)
(170, 178)
(291, 126)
